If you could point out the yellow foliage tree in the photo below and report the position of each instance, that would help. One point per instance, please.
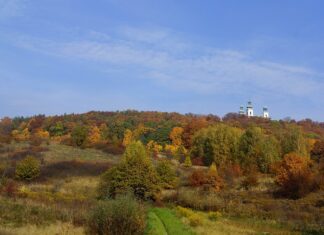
(176, 136)
(153, 148)
(42, 134)
(213, 169)
(128, 137)
(171, 149)
(94, 135)
(21, 135)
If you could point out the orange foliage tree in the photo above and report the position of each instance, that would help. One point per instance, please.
(295, 177)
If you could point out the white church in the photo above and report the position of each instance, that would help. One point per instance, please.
(249, 111)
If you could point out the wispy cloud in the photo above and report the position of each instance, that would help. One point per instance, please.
(178, 64)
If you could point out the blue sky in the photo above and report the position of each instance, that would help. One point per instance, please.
(64, 56)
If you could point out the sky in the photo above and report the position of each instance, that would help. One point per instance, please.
(187, 56)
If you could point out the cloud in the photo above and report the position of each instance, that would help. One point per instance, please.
(165, 58)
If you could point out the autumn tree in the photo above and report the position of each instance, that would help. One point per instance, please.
(256, 149)
(23, 135)
(295, 177)
(134, 173)
(176, 136)
(79, 135)
(293, 140)
(153, 148)
(57, 129)
(94, 135)
(191, 128)
(216, 144)
(6, 127)
(128, 137)
(42, 134)
(317, 152)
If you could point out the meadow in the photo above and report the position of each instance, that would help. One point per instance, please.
(59, 200)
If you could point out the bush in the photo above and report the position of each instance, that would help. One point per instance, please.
(213, 180)
(295, 177)
(209, 180)
(199, 200)
(214, 215)
(121, 216)
(28, 168)
(251, 180)
(195, 220)
(8, 187)
(197, 178)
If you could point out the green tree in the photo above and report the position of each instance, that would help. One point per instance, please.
(167, 174)
(257, 149)
(57, 130)
(79, 135)
(217, 144)
(293, 141)
(28, 168)
(134, 173)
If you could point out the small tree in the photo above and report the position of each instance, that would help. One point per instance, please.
(187, 162)
(213, 180)
(134, 173)
(79, 135)
(28, 168)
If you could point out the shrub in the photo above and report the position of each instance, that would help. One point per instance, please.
(213, 180)
(251, 180)
(167, 174)
(134, 173)
(8, 188)
(195, 220)
(186, 212)
(214, 215)
(295, 177)
(28, 168)
(209, 180)
(197, 178)
(199, 200)
(121, 216)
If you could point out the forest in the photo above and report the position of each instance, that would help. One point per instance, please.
(136, 172)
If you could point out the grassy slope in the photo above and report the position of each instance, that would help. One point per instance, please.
(60, 152)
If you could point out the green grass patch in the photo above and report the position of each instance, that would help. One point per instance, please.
(154, 225)
(167, 218)
(60, 152)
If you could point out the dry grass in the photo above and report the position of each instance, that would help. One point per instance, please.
(228, 226)
(52, 229)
